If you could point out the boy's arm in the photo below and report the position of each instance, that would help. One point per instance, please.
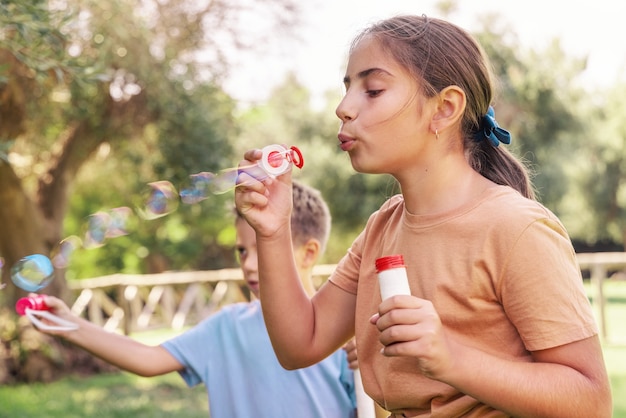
(119, 350)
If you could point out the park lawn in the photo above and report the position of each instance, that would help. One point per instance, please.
(116, 395)
(122, 395)
(615, 346)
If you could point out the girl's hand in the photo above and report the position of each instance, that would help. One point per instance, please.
(410, 326)
(266, 204)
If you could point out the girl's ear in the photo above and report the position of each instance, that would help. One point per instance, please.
(450, 108)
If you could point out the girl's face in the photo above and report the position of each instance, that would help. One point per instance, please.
(382, 127)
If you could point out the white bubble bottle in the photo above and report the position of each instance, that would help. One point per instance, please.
(392, 277)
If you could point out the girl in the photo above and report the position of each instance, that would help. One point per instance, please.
(497, 323)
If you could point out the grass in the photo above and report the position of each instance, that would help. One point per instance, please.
(122, 395)
(615, 345)
(119, 395)
(116, 395)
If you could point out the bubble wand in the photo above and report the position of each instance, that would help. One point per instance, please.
(34, 307)
(275, 160)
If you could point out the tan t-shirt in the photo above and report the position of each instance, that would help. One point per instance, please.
(501, 273)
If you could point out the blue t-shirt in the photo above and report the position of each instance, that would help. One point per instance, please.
(231, 353)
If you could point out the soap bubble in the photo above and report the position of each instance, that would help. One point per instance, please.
(159, 200)
(33, 272)
(64, 250)
(2, 285)
(120, 222)
(103, 225)
(96, 229)
(224, 181)
(198, 188)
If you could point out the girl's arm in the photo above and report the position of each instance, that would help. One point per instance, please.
(303, 330)
(116, 349)
(568, 381)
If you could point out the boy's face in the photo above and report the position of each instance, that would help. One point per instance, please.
(246, 253)
(245, 246)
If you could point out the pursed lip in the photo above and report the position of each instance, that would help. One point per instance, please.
(346, 142)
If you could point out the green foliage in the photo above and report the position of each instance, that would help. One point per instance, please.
(186, 238)
(537, 102)
(601, 170)
(34, 35)
(572, 138)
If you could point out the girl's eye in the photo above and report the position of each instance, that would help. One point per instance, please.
(373, 93)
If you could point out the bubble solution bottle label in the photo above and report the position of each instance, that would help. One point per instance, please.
(392, 277)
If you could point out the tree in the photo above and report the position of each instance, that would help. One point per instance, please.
(599, 199)
(85, 82)
(538, 103)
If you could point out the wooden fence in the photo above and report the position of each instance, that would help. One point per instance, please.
(138, 302)
(599, 266)
(130, 303)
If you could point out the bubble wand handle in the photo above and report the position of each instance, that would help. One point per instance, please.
(364, 404)
(34, 308)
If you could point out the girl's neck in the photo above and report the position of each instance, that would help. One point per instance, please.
(441, 188)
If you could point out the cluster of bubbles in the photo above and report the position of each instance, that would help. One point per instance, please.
(34, 272)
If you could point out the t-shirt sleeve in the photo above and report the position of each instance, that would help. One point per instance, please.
(542, 290)
(186, 348)
(346, 275)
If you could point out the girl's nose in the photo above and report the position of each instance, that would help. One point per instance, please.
(344, 110)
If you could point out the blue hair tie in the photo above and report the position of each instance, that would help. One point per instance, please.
(489, 129)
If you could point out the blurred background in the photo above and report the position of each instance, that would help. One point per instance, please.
(99, 99)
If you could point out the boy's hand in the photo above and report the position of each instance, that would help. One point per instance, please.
(350, 349)
(58, 308)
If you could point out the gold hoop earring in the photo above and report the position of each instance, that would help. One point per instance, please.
(436, 134)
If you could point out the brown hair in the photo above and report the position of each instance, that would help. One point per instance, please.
(440, 54)
(310, 216)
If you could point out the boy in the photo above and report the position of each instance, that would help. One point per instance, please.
(230, 352)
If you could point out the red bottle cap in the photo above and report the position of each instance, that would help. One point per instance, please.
(389, 262)
(35, 303)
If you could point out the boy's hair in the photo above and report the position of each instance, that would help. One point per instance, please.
(310, 217)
